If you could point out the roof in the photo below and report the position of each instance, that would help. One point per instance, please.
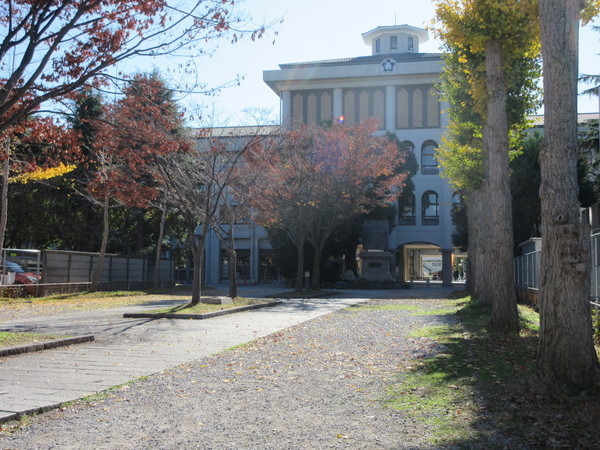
(258, 130)
(379, 31)
(538, 120)
(371, 59)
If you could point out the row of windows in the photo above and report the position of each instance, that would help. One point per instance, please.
(416, 106)
(430, 208)
(410, 45)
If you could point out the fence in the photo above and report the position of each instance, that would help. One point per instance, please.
(69, 271)
(527, 266)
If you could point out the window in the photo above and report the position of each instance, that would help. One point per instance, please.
(243, 264)
(456, 199)
(360, 104)
(241, 214)
(428, 161)
(393, 42)
(407, 212)
(430, 208)
(377, 45)
(268, 268)
(408, 146)
(411, 44)
(417, 107)
(312, 107)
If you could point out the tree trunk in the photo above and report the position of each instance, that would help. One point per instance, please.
(300, 269)
(4, 199)
(103, 246)
(499, 251)
(232, 254)
(566, 354)
(477, 246)
(233, 292)
(140, 232)
(316, 267)
(197, 246)
(161, 234)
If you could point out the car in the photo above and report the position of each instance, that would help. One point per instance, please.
(27, 279)
(27, 263)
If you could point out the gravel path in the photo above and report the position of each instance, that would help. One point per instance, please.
(320, 384)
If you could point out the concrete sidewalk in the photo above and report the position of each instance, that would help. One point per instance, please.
(126, 349)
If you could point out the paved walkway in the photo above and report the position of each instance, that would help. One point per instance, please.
(126, 349)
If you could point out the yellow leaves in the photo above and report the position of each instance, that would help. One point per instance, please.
(591, 10)
(43, 174)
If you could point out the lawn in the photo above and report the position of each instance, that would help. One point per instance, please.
(480, 390)
(9, 339)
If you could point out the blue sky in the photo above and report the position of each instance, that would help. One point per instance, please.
(315, 30)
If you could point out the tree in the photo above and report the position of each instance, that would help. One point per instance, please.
(495, 51)
(32, 149)
(196, 183)
(134, 132)
(51, 48)
(566, 354)
(525, 188)
(317, 178)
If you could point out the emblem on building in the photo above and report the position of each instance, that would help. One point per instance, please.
(388, 65)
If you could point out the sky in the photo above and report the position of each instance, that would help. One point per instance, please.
(313, 30)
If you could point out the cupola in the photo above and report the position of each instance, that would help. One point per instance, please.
(395, 39)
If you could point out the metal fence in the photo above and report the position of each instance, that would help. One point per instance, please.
(69, 271)
(527, 270)
(595, 275)
(527, 266)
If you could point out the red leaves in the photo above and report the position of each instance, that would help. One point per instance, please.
(315, 171)
(131, 136)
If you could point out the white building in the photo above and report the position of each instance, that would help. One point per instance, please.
(396, 86)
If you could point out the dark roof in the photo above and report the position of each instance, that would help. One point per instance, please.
(399, 57)
(538, 120)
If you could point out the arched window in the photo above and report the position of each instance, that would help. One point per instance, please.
(407, 211)
(408, 146)
(430, 208)
(428, 161)
(456, 199)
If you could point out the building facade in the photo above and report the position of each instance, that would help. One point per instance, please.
(395, 85)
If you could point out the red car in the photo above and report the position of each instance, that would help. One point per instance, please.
(28, 279)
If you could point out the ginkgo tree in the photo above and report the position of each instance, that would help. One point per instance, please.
(318, 177)
(493, 50)
(566, 354)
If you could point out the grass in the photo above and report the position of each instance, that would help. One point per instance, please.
(85, 301)
(475, 392)
(10, 339)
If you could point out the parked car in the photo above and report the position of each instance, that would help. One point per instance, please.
(27, 279)
(27, 263)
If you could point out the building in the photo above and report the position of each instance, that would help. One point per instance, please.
(395, 85)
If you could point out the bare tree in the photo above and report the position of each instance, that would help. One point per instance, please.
(201, 183)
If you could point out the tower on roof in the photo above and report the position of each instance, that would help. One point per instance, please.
(395, 39)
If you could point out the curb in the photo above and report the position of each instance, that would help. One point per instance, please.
(18, 349)
(223, 312)
(323, 294)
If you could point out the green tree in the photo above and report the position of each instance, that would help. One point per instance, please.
(493, 51)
